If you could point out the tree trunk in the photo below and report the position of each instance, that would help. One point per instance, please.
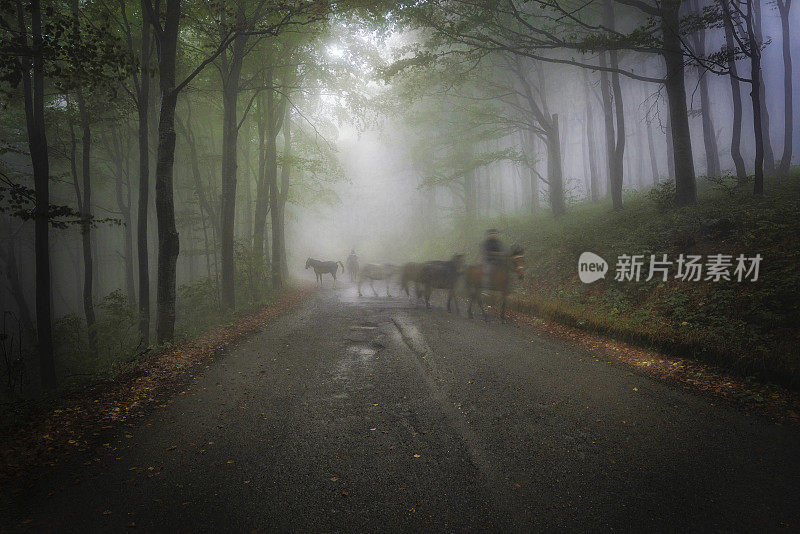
(124, 206)
(670, 148)
(271, 171)
(230, 133)
(652, 148)
(228, 197)
(613, 156)
(86, 224)
(736, 95)
(757, 100)
(769, 154)
(267, 190)
(14, 283)
(168, 241)
(143, 106)
(470, 199)
(590, 141)
(788, 104)
(617, 177)
(709, 134)
(33, 87)
(197, 177)
(529, 138)
(262, 186)
(285, 176)
(685, 182)
(555, 186)
(247, 231)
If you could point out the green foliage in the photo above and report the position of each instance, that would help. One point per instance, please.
(116, 329)
(82, 52)
(252, 275)
(70, 342)
(117, 336)
(198, 307)
(663, 195)
(19, 201)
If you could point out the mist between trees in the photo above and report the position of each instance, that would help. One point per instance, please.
(168, 163)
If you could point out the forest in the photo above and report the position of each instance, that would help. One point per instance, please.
(168, 164)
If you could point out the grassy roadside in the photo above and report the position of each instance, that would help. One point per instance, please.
(751, 328)
(66, 422)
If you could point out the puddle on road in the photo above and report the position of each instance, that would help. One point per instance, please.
(360, 333)
(364, 352)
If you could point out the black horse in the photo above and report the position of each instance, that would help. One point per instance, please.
(441, 275)
(323, 267)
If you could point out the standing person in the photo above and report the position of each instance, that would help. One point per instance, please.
(492, 251)
(352, 265)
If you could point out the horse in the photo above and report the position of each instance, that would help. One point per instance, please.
(352, 267)
(323, 267)
(374, 271)
(512, 262)
(441, 275)
(408, 274)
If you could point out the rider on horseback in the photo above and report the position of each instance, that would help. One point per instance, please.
(492, 250)
(352, 265)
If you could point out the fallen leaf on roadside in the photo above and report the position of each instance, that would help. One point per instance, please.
(334, 479)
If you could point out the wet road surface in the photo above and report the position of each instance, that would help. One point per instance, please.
(368, 414)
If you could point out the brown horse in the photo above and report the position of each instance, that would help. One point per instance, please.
(324, 267)
(441, 275)
(408, 275)
(509, 264)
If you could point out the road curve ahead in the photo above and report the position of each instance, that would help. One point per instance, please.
(368, 414)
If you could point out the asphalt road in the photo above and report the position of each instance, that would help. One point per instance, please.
(352, 414)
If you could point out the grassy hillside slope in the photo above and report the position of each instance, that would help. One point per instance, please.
(751, 327)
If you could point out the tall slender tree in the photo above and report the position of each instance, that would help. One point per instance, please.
(784, 7)
(32, 72)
